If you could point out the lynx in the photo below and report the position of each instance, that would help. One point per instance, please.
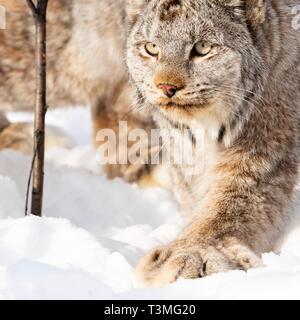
(230, 68)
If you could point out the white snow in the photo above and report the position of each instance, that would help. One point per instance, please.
(94, 232)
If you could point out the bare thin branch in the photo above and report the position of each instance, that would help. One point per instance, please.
(37, 168)
(32, 7)
(29, 182)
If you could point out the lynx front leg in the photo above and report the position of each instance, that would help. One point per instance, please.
(107, 114)
(241, 217)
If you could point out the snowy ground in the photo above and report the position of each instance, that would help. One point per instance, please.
(94, 232)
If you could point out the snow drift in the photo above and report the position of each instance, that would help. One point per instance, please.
(94, 232)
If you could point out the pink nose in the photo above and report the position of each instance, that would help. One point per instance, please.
(168, 89)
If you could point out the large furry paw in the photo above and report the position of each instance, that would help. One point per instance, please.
(167, 264)
(19, 137)
(130, 173)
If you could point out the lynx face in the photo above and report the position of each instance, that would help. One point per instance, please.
(192, 57)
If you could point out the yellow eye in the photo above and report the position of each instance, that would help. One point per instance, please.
(152, 49)
(202, 48)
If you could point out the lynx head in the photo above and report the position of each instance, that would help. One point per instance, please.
(188, 58)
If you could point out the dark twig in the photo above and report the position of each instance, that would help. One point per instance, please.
(29, 182)
(37, 171)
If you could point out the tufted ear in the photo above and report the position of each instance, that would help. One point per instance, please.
(134, 8)
(253, 10)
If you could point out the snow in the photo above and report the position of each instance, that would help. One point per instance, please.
(94, 232)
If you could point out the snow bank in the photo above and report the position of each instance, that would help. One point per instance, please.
(94, 232)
